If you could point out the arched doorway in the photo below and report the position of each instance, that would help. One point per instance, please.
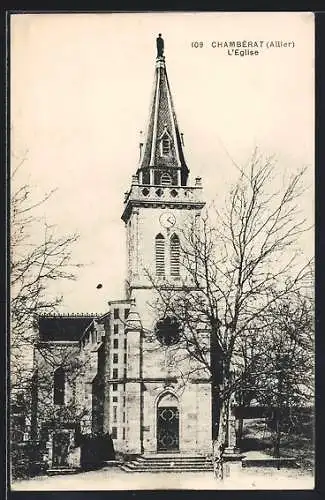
(167, 423)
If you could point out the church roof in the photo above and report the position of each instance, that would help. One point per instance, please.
(64, 327)
(162, 124)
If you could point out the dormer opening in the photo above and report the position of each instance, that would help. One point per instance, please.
(166, 180)
(165, 142)
(165, 146)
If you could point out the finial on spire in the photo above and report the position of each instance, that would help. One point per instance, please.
(140, 144)
(160, 46)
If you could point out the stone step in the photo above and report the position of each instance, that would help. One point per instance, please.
(162, 456)
(172, 459)
(175, 457)
(171, 462)
(168, 465)
(56, 471)
(167, 469)
(175, 460)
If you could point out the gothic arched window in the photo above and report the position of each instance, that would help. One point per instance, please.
(59, 386)
(160, 254)
(174, 255)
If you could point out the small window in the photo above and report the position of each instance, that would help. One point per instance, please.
(20, 398)
(123, 432)
(123, 416)
(125, 358)
(125, 344)
(19, 421)
(115, 329)
(165, 146)
(114, 433)
(114, 387)
(126, 313)
(115, 343)
(124, 400)
(115, 373)
(115, 358)
(116, 313)
(114, 414)
(115, 399)
(125, 373)
(59, 386)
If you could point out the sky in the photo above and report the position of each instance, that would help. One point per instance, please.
(80, 93)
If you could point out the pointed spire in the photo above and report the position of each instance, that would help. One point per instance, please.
(162, 148)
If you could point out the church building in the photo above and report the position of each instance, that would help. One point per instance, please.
(119, 373)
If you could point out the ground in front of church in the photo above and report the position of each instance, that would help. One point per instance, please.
(116, 479)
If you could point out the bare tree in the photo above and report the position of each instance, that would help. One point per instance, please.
(285, 363)
(38, 256)
(238, 265)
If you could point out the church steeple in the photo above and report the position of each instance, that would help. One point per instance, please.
(162, 159)
(161, 180)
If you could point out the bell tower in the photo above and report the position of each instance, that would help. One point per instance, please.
(160, 201)
(161, 412)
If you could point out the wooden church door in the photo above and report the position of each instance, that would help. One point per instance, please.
(167, 424)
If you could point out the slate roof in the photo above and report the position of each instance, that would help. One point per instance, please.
(162, 118)
(63, 327)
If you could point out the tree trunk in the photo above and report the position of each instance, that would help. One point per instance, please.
(217, 376)
(277, 438)
(239, 433)
(219, 444)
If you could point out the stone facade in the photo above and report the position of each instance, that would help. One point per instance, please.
(117, 377)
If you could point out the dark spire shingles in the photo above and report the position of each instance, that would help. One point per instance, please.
(162, 117)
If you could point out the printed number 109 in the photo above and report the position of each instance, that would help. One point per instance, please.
(197, 45)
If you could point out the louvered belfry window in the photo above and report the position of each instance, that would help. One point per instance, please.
(160, 255)
(166, 180)
(174, 255)
(165, 146)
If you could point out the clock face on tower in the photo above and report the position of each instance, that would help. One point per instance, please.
(167, 220)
